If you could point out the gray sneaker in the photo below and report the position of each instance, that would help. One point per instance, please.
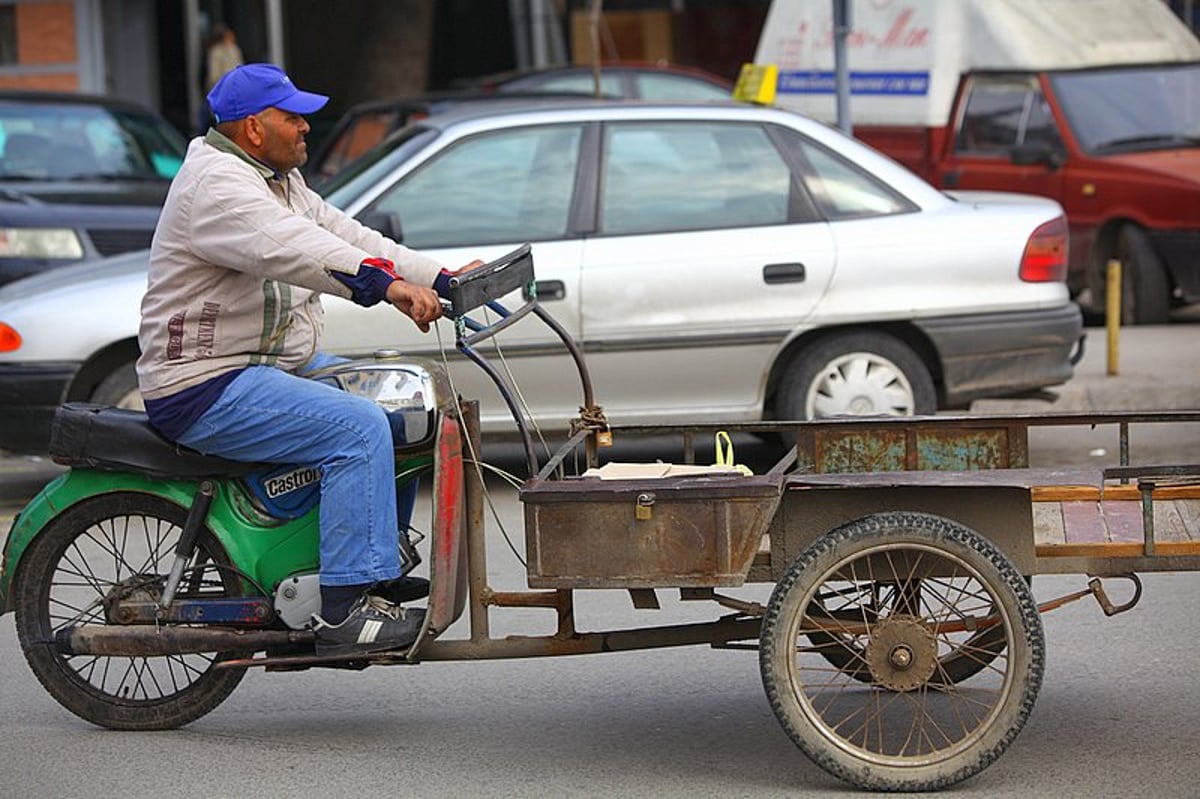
(374, 625)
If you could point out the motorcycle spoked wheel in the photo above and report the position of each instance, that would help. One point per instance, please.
(107, 543)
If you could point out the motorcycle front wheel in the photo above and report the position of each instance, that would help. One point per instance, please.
(100, 548)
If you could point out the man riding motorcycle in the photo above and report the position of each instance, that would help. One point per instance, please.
(230, 324)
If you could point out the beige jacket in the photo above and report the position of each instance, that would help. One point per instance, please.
(238, 263)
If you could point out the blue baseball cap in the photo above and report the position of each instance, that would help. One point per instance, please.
(251, 88)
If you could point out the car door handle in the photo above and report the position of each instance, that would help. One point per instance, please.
(783, 273)
(550, 289)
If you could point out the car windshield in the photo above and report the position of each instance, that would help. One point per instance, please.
(65, 141)
(359, 134)
(1128, 109)
(365, 172)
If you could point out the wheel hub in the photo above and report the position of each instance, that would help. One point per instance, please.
(902, 653)
(861, 406)
(139, 589)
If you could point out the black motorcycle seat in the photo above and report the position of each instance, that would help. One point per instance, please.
(102, 437)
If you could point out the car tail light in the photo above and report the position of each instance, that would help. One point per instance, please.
(1045, 256)
(10, 339)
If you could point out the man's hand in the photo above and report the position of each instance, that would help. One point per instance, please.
(474, 264)
(417, 302)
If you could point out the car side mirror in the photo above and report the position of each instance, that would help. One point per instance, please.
(386, 222)
(1037, 153)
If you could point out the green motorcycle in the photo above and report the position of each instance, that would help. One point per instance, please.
(145, 576)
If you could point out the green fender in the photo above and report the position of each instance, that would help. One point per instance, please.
(267, 550)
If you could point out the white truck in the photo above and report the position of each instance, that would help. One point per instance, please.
(1094, 103)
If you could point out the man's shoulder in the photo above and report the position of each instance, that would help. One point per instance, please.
(208, 168)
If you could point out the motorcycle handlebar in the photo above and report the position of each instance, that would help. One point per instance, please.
(486, 284)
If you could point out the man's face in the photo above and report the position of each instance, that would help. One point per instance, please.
(283, 146)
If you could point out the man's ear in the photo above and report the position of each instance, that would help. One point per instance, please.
(254, 131)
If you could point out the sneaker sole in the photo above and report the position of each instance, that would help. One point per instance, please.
(363, 649)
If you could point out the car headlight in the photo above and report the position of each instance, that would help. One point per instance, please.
(47, 242)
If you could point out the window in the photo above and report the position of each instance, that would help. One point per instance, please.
(652, 86)
(66, 141)
(661, 177)
(362, 133)
(581, 82)
(1004, 114)
(843, 191)
(1132, 108)
(504, 186)
(840, 188)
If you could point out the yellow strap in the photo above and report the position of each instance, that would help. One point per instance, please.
(724, 447)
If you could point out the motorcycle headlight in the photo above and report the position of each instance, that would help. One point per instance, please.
(48, 242)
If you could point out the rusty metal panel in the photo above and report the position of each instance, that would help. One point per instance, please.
(674, 532)
(860, 451)
(934, 445)
(962, 450)
(1001, 513)
(448, 567)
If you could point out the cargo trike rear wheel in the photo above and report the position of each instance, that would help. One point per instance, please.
(119, 544)
(888, 716)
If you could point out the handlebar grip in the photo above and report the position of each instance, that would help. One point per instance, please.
(493, 280)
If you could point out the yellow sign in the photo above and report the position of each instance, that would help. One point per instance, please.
(756, 84)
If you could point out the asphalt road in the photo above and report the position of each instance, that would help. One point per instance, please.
(1116, 716)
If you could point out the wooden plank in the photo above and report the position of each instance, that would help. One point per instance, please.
(1168, 521)
(1114, 492)
(1189, 516)
(1083, 523)
(1123, 521)
(1114, 549)
(1048, 523)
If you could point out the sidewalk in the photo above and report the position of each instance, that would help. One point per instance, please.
(1158, 369)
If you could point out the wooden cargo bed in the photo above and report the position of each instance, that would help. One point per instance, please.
(1080, 521)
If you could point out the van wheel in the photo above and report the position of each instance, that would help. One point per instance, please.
(856, 374)
(1145, 290)
(120, 389)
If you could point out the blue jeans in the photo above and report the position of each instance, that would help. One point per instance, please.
(268, 415)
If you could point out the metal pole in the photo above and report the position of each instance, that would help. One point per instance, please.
(841, 30)
(594, 18)
(92, 73)
(192, 56)
(1112, 314)
(275, 53)
(520, 26)
(476, 538)
(537, 28)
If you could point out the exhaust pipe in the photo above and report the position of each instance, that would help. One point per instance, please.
(151, 641)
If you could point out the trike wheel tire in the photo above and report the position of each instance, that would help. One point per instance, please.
(892, 719)
(125, 539)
